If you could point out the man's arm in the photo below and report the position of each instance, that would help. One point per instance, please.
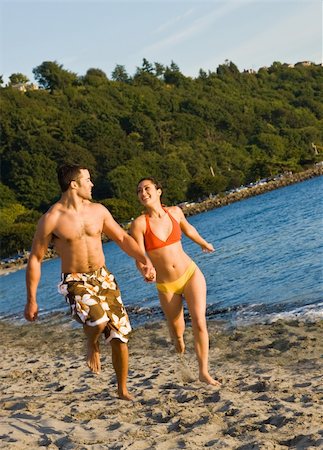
(127, 243)
(40, 244)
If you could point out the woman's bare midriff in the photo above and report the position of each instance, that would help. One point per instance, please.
(170, 262)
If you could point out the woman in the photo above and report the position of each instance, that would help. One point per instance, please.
(177, 276)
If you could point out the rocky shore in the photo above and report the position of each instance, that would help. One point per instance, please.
(252, 190)
(18, 262)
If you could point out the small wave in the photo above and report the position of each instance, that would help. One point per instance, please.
(141, 315)
(260, 313)
(309, 313)
(265, 313)
(57, 316)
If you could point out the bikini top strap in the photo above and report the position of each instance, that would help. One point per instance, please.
(147, 223)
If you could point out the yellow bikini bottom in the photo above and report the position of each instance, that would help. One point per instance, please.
(177, 286)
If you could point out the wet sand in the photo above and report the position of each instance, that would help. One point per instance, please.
(271, 396)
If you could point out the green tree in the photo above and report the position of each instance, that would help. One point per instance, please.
(258, 170)
(120, 208)
(51, 75)
(146, 67)
(173, 75)
(17, 78)
(142, 124)
(159, 69)
(202, 74)
(119, 73)
(16, 238)
(271, 144)
(30, 216)
(202, 186)
(10, 213)
(7, 195)
(228, 69)
(95, 77)
(174, 176)
(124, 178)
(34, 179)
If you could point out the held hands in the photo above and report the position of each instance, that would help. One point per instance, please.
(148, 272)
(150, 276)
(207, 248)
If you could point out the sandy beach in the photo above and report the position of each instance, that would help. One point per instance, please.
(270, 398)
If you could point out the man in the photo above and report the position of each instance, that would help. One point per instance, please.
(74, 224)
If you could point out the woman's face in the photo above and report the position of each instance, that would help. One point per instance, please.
(147, 192)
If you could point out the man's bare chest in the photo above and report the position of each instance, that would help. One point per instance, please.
(77, 227)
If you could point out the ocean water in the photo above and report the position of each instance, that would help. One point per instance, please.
(268, 264)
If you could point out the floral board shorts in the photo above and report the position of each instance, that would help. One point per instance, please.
(94, 298)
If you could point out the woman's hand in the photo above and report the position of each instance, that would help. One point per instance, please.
(148, 274)
(207, 248)
(151, 277)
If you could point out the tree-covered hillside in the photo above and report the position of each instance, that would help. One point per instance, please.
(197, 136)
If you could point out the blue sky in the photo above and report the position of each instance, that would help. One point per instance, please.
(82, 34)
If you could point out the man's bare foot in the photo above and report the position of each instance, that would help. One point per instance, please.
(93, 358)
(209, 380)
(125, 395)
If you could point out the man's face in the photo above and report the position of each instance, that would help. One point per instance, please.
(84, 185)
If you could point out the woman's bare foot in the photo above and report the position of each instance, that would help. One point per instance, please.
(179, 345)
(209, 380)
(93, 358)
(125, 395)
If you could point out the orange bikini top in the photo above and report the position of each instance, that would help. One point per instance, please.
(152, 242)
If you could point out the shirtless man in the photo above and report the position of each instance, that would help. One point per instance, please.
(75, 225)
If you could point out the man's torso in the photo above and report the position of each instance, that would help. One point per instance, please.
(76, 237)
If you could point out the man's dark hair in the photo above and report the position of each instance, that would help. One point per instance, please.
(68, 173)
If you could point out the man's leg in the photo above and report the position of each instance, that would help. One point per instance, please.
(120, 358)
(93, 349)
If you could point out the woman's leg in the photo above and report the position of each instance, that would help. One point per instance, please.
(172, 305)
(195, 295)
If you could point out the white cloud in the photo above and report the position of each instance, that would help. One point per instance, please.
(297, 35)
(197, 26)
(175, 20)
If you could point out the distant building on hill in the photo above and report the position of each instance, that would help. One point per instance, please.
(24, 87)
(304, 63)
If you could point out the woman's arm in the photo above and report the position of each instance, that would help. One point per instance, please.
(137, 231)
(191, 232)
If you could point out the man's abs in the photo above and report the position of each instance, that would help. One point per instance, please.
(80, 255)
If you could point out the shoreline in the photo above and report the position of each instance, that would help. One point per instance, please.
(194, 208)
(270, 398)
(14, 267)
(246, 192)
